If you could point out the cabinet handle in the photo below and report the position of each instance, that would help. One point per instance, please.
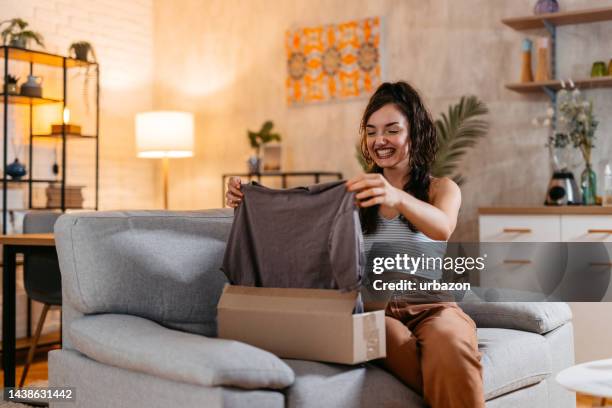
(599, 231)
(609, 264)
(517, 230)
(517, 261)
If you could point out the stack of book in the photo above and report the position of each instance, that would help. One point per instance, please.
(74, 196)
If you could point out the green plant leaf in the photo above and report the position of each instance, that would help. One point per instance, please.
(457, 131)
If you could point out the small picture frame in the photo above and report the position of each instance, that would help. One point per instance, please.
(271, 157)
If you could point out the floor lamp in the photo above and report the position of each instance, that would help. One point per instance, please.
(165, 135)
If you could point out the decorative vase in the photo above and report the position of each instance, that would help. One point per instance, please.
(16, 170)
(546, 6)
(588, 185)
(33, 87)
(19, 42)
(598, 69)
(254, 164)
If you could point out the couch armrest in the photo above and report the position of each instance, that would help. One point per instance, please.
(141, 345)
(536, 317)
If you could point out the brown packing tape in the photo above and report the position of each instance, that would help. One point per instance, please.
(370, 336)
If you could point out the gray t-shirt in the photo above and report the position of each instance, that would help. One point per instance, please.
(304, 237)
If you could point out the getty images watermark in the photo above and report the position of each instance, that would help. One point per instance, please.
(424, 265)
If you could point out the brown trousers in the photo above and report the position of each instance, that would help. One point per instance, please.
(433, 348)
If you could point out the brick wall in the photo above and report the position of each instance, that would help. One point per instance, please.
(122, 35)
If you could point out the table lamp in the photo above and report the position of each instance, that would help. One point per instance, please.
(165, 135)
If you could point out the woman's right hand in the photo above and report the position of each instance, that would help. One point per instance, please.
(233, 196)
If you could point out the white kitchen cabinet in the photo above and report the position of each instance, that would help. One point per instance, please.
(592, 321)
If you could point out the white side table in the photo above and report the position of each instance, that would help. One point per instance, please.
(593, 378)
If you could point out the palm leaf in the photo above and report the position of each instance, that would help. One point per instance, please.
(457, 131)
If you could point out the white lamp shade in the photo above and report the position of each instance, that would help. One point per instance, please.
(164, 134)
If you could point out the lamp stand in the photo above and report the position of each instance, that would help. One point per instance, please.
(165, 175)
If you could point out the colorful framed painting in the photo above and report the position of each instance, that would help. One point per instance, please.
(333, 62)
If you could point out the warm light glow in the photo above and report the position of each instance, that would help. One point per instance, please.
(66, 116)
(164, 134)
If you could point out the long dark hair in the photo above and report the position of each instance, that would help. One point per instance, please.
(423, 143)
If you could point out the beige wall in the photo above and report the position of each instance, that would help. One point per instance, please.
(225, 61)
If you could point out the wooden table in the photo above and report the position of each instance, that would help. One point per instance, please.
(13, 245)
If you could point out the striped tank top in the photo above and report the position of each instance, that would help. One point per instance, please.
(393, 237)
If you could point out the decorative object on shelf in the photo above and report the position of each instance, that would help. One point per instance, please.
(562, 188)
(271, 157)
(598, 69)
(73, 197)
(610, 67)
(32, 87)
(543, 63)
(526, 71)
(71, 129)
(254, 164)
(16, 35)
(16, 170)
(546, 7)
(333, 62)
(257, 140)
(577, 121)
(606, 200)
(11, 84)
(84, 51)
(165, 135)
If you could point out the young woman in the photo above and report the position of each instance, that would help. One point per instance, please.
(432, 347)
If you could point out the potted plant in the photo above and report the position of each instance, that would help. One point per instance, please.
(11, 82)
(257, 140)
(578, 124)
(84, 51)
(16, 35)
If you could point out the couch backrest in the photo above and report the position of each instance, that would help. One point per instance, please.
(160, 265)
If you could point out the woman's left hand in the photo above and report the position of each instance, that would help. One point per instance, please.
(373, 189)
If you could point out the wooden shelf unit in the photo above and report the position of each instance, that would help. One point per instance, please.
(63, 64)
(536, 87)
(43, 58)
(27, 100)
(560, 19)
(59, 136)
(550, 22)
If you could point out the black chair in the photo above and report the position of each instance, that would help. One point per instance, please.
(41, 276)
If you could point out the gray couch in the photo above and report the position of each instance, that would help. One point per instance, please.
(139, 317)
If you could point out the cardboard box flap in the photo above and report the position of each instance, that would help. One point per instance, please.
(287, 299)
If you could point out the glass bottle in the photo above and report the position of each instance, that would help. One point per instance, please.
(588, 185)
(607, 193)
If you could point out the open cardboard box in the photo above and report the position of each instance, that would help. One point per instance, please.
(306, 324)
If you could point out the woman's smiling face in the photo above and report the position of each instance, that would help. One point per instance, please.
(387, 137)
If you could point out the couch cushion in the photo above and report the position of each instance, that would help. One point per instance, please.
(511, 360)
(138, 344)
(160, 265)
(536, 317)
(334, 385)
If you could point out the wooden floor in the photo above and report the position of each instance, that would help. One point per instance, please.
(39, 371)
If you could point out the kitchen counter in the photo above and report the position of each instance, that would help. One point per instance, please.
(547, 210)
